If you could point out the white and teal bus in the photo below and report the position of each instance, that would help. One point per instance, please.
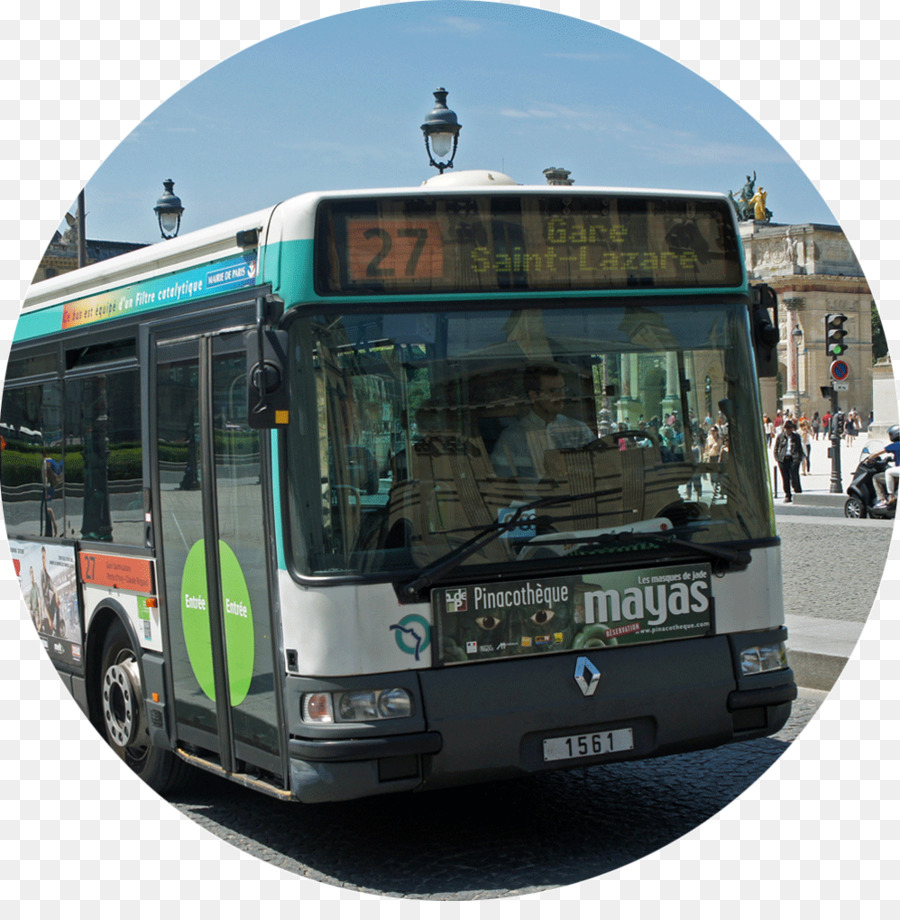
(392, 490)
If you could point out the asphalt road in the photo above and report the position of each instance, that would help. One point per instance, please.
(496, 839)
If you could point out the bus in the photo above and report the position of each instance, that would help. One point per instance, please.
(392, 490)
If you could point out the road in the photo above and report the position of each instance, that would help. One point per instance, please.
(495, 839)
(832, 565)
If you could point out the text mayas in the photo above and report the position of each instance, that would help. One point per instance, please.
(651, 601)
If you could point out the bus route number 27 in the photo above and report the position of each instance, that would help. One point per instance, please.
(395, 249)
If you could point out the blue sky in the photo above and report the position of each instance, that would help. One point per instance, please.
(337, 103)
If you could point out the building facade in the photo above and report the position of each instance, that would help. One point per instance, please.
(62, 253)
(814, 271)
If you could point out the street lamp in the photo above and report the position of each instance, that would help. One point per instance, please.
(797, 336)
(441, 130)
(169, 210)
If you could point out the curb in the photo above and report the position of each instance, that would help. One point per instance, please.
(819, 648)
(815, 671)
(829, 499)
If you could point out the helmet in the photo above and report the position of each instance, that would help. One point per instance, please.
(894, 432)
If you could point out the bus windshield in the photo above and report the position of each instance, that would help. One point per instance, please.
(492, 437)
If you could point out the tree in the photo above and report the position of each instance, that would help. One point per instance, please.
(879, 339)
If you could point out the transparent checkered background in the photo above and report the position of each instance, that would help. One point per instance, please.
(78, 830)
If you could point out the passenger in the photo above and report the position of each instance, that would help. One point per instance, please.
(519, 451)
(712, 451)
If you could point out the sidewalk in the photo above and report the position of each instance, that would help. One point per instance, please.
(818, 648)
(817, 484)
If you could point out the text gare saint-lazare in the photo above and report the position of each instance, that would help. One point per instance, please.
(572, 245)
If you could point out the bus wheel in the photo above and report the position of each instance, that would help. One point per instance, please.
(124, 716)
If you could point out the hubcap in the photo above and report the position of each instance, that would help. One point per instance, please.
(121, 702)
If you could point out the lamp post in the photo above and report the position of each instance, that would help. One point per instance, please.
(79, 223)
(441, 130)
(797, 336)
(169, 210)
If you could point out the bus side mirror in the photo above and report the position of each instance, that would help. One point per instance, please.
(765, 330)
(268, 390)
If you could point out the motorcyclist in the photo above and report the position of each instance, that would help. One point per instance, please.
(886, 483)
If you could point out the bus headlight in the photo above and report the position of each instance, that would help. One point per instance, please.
(356, 706)
(394, 704)
(761, 658)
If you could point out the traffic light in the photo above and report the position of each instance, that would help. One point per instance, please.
(834, 334)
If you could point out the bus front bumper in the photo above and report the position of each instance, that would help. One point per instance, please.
(490, 722)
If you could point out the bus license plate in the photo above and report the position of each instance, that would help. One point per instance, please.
(589, 745)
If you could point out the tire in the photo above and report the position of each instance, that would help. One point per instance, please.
(854, 508)
(123, 716)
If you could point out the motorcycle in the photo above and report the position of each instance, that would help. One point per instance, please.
(863, 497)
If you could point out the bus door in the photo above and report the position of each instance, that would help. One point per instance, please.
(210, 538)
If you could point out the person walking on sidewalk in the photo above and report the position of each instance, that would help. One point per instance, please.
(806, 440)
(789, 454)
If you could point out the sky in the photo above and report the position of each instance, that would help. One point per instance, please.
(338, 103)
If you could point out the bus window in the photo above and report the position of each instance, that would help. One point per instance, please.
(411, 410)
(103, 438)
(32, 461)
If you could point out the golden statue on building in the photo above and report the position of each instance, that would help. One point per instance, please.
(751, 204)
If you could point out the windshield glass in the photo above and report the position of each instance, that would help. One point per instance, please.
(414, 433)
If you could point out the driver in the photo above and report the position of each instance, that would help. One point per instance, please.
(886, 483)
(520, 449)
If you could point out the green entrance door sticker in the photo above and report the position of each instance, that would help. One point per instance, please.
(238, 616)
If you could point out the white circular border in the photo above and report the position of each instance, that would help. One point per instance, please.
(81, 829)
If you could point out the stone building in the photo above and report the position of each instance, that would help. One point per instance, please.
(62, 253)
(814, 271)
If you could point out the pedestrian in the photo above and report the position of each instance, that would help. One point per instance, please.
(816, 425)
(788, 453)
(851, 428)
(806, 440)
(769, 428)
(51, 480)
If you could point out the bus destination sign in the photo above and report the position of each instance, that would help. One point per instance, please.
(433, 245)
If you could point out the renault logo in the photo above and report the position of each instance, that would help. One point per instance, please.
(586, 676)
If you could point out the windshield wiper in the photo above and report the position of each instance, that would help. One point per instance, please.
(486, 535)
(735, 557)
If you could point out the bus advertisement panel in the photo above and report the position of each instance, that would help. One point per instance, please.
(46, 573)
(534, 616)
